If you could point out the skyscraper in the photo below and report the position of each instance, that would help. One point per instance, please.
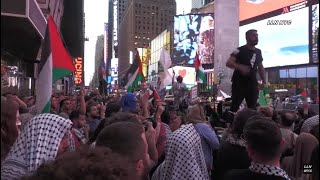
(142, 21)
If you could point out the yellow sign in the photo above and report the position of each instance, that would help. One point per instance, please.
(78, 73)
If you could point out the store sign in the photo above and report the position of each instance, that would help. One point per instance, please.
(79, 71)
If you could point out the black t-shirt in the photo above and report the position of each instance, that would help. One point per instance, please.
(246, 174)
(248, 57)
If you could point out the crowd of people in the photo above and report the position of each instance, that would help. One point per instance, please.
(139, 137)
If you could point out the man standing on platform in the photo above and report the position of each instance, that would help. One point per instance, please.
(179, 91)
(245, 61)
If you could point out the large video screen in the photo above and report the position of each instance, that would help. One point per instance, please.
(193, 33)
(252, 8)
(315, 32)
(282, 44)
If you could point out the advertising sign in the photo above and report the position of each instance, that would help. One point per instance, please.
(193, 33)
(188, 74)
(252, 8)
(78, 75)
(114, 70)
(283, 37)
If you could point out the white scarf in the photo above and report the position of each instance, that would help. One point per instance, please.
(184, 157)
(37, 143)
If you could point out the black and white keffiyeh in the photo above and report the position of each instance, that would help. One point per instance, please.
(232, 139)
(268, 170)
(37, 143)
(184, 157)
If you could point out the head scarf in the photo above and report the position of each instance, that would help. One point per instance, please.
(196, 114)
(184, 157)
(37, 143)
(305, 144)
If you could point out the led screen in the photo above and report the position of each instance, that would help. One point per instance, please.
(252, 8)
(193, 33)
(315, 32)
(282, 44)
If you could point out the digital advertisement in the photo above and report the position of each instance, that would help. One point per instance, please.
(283, 39)
(193, 33)
(253, 8)
(188, 74)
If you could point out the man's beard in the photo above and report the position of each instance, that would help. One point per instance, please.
(253, 43)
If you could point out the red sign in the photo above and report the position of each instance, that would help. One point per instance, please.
(253, 8)
(79, 71)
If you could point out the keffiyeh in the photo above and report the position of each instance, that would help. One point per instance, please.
(37, 143)
(268, 170)
(184, 157)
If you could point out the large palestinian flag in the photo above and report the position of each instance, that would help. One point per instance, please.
(137, 77)
(55, 64)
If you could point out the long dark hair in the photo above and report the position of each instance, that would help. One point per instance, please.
(9, 130)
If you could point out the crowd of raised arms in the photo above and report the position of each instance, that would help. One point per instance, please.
(139, 136)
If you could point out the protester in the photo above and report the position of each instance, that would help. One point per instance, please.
(245, 61)
(129, 140)
(232, 153)
(65, 108)
(175, 120)
(266, 111)
(9, 128)
(87, 163)
(93, 118)
(286, 128)
(209, 139)
(263, 143)
(111, 109)
(184, 157)
(54, 105)
(293, 165)
(179, 93)
(44, 138)
(80, 129)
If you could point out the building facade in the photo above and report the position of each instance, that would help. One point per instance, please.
(157, 44)
(23, 28)
(142, 21)
(54, 8)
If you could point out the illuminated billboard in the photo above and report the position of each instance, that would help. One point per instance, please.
(193, 33)
(283, 38)
(188, 74)
(253, 8)
(78, 74)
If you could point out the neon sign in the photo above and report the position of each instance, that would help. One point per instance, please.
(78, 73)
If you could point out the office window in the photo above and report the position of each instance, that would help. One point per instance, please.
(312, 72)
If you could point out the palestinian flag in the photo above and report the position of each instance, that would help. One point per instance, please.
(55, 64)
(201, 76)
(137, 77)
